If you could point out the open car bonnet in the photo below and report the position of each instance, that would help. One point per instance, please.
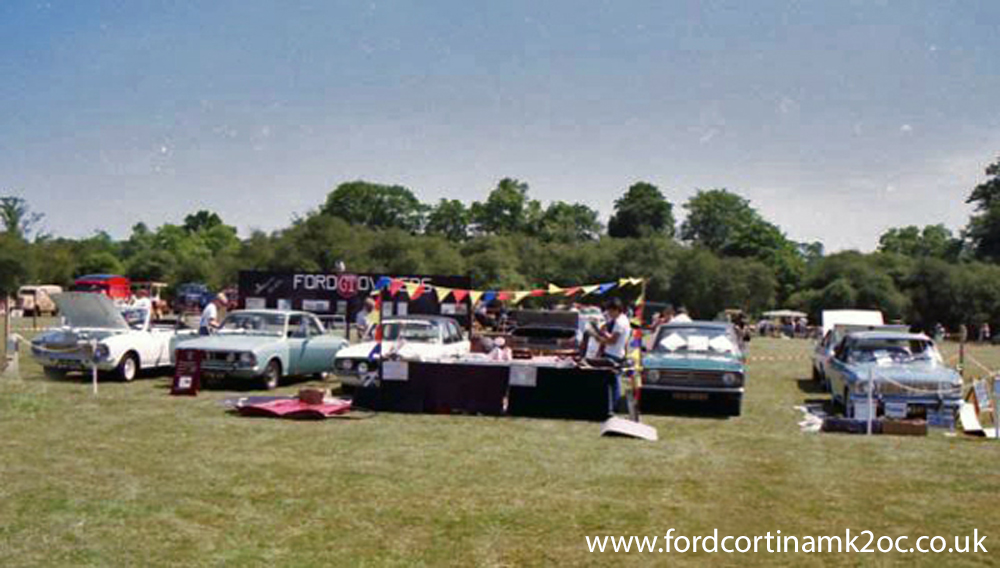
(89, 310)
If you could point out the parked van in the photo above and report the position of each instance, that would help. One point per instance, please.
(36, 300)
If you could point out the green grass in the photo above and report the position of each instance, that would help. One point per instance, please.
(137, 477)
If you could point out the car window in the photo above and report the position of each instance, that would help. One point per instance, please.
(296, 326)
(315, 328)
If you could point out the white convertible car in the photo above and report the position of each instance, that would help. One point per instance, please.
(122, 341)
(407, 337)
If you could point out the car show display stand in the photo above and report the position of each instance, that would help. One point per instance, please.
(481, 388)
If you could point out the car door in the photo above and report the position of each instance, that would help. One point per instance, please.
(836, 370)
(320, 348)
(297, 336)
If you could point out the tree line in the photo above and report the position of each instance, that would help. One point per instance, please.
(724, 254)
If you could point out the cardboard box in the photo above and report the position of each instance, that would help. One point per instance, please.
(312, 395)
(904, 427)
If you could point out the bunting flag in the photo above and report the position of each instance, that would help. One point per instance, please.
(553, 289)
(442, 293)
(460, 295)
(589, 289)
(474, 296)
(536, 293)
(394, 287)
(635, 281)
(572, 291)
(383, 282)
(624, 282)
(488, 296)
(504, 296)
(414, 290)
(520, 295)
(605, 287)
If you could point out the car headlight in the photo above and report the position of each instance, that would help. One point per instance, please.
(345, 364)
(653, 376)
(363, 367)
(101, 352)
(248, 359)
(230, 357)
(729, 379)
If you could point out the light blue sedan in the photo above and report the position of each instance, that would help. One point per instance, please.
(267, 346)
(898, 367)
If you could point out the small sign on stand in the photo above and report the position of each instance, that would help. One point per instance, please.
(187, 373)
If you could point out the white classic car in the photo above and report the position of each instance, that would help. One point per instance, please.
(122, 341)
(409, 337)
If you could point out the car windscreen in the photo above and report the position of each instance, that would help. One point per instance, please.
(409, 331)
(678, 339)
(888, 351)
(135, 317)
(254, 323)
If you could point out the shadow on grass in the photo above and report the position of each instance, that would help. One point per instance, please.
(810, 386)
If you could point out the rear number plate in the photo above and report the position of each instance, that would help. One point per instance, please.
(690, 396)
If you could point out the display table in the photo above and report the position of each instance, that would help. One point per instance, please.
(480, 387)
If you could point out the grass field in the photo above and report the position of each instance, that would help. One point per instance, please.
(136, 477)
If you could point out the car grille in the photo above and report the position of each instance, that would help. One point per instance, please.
(692, 378)
(917, 389)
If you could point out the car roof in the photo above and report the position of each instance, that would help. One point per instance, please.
(700, 323)
(272, 311)
(905, 335)
(426, 318)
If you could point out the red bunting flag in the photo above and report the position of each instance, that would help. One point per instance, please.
(459, 295)
(394, 286)
(503, 296)
(572, 291)
(536, 293)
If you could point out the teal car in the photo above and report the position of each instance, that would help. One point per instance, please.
(266, 346)
(700, 362)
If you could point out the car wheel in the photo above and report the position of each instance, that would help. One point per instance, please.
(128, 368)
(272, 374)
(54, 374)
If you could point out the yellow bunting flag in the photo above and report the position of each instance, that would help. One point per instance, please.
(624, 281)
(635, 281)
(553, 289)
(474, 296)
(590, 289)
(442, 293)
(520, 295)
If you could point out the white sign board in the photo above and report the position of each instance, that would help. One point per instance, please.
(284, 304)
(982, 395)
(523, 376)
(256, 303)
(862, 410)
(897, 410)
(395, 371)
(316, 305)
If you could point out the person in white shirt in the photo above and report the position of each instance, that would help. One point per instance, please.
(614, 340)
(682, 316)
(210, 315)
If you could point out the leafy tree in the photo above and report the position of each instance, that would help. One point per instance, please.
(642, 210)
(933, 240)
(101, 262)
(201, 221)
(450, 219)
(983, 230)
(15, 267)
(16, 217)
(376, 206)
(569, 223)
(715, 217)
(507, 210)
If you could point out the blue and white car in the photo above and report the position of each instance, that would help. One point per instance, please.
(266, 346)
(899, 367)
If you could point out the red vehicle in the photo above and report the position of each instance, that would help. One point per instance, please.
(118, 288)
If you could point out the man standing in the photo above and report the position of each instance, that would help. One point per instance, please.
(210, 315)
(614, 339)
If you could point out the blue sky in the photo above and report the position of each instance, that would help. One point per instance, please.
(837, 119)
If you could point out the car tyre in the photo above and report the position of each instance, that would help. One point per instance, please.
(128, 367)
(272, 374)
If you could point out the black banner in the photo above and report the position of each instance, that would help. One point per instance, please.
(345, 293)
